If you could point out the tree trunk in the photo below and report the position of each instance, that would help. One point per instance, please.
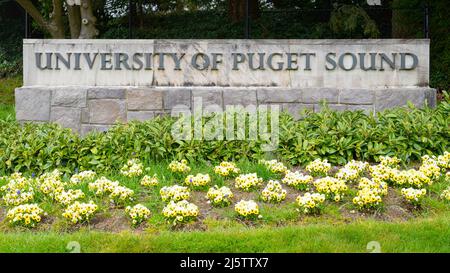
(74, 15)
(88, 20)
(141, 14)
(237, 9)
(57, 19)
(54, 27)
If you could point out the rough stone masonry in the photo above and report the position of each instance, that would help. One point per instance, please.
(91, 84)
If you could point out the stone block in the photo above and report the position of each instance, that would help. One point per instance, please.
(318, 95)
(176, 97)
(68, 117)
(106, 93)
(272, 95)
(430, 97)
(366, 108)
(335, 107)
(107, 111)
(239, 97)
(32, 104)
(69, 97)
(142, 115)
(356, 96)
(210, 98)
(388, 98)
(295, 109)
(145, 99)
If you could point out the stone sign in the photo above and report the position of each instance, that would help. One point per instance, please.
(90, 84)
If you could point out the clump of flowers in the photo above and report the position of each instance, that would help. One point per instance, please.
(149, 181)
(103, 186)
(247, 209)
(381, 173)
(360, 166)
(138, 214)
(274, 166)
(333, 188)
(132, 168)
(367, 198)
(197, 181)
(348, 174)
(15, 182)
(82, 176)
(27, 215)
(67, 197)
(388, 161)
(54, 175)
(444, 160)
(311, 203)
(179, 166)
(370, 194)
(430, 167)
(219, 197)
(380, 188)
(318, 167)
(446, 194)
(50, 183)
(174, 193)
(248, 182)
(80, 212)
(273, 192)
(297, 180)
(411, 177)
(18, 197)
(413, 196)
(352, 170)
(180, 212)
(226, 169)
(121, 194)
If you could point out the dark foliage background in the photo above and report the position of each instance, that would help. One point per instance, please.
(300, 19)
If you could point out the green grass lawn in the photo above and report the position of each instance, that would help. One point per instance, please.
(420, 235)
(7, 86)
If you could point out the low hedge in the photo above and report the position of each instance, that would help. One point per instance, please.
(407, 133)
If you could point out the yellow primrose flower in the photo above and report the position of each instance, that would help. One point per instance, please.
(318, 167)
(220, 197)
(27, 215)
(179, 166)
(413, 196)
(247, 182)
(80, 212)
(133, 168)
(82, 176)
(247, 209)
(331, 187)
(198, 181)
(297, 180)
(174, 193)
(148, 181)
(274, 166)
(180, 212)
(310, 202)
(138, 214)
(226, 169)
(273, 192)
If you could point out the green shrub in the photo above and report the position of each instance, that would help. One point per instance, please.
(407, 133)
